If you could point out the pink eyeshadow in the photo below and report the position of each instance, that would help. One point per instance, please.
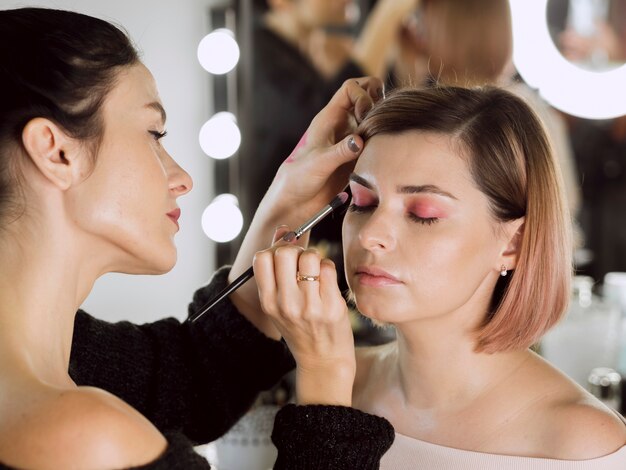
(426, 210)
(361, 197)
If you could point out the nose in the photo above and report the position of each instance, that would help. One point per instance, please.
(377, 233)
(179, 181)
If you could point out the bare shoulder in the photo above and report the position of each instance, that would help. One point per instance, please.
(575, 425)
(583, 428)
(82, 428)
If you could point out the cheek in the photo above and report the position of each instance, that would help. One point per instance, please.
(449, 268)
(349, 236)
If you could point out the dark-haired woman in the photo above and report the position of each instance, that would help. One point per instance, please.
(87, 188)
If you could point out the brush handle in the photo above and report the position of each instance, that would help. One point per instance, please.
(229, 289)
(337, 201)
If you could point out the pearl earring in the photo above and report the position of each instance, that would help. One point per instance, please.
(503, 271)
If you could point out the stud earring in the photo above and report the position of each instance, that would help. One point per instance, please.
(503, 271)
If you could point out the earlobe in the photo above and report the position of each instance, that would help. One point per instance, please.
(47, 146)
(515, 233)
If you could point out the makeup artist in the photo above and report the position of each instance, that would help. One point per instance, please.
(87, 188)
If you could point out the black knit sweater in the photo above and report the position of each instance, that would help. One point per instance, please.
(195, 380)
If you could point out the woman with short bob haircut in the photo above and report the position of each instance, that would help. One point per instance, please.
(486, 131)
(458, 235)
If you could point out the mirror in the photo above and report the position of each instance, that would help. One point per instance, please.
(589, 33)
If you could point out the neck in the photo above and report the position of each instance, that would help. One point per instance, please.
(438, 370)
(44, 278)
(289, 27)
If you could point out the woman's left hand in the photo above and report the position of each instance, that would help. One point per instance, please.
(298, 291)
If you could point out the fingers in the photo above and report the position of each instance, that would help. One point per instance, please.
(283, 295)
(263, 265)
(286, 268)
(359, 95)
(342, 152)
(328, 279)
(309, 265)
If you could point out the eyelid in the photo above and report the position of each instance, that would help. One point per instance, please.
(356, 208)
(414, 218)
(423, 220)
(158, 135)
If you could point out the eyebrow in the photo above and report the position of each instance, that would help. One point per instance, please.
(426, 188)
(158, 107)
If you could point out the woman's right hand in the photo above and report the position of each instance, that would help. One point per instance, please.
(312, 317)
(319, 166)
(316, 171)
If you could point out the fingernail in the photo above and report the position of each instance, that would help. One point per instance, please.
(289, 237)
(381, 93)
(352, 145)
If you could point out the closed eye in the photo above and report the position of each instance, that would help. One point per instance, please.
(423, 220)
(158, 135)
(414, 218)
(360, 209)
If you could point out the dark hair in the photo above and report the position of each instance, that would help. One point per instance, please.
(468, 40)
(58, 65)
(512, 163)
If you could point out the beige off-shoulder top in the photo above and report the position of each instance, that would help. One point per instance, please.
(408, 453)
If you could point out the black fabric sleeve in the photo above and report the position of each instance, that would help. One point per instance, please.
(317, 437)
(198, 378)
(179, 455)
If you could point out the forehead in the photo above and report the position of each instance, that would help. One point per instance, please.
(414, 158)
(134, 89)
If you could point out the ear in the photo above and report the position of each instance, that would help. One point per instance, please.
(52, 151)
(513, 233)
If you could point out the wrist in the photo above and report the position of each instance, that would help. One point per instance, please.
(325, 385)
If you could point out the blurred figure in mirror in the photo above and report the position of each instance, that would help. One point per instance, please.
(595, 33)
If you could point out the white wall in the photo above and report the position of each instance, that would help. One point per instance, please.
(167, 33)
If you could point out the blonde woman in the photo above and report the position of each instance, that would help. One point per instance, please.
(459, 236)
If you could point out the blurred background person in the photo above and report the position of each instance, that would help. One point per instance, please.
(302, 51)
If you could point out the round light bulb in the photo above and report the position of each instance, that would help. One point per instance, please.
(222, 220)
(583, 93)
(218, 52)
(220, 136)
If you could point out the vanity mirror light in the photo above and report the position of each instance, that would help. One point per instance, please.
(590, 86)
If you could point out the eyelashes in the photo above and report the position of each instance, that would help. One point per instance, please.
(414, 218)
(158, 135)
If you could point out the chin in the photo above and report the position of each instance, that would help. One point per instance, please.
(374, 310)
(162, 264)
(166, 264)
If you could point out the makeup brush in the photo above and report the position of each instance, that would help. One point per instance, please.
(337, 201)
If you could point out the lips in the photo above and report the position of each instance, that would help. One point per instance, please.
(174, 215)
(376, 277)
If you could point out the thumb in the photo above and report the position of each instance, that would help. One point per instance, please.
(342, 152)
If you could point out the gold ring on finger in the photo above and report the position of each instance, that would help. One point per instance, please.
(306, 277)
